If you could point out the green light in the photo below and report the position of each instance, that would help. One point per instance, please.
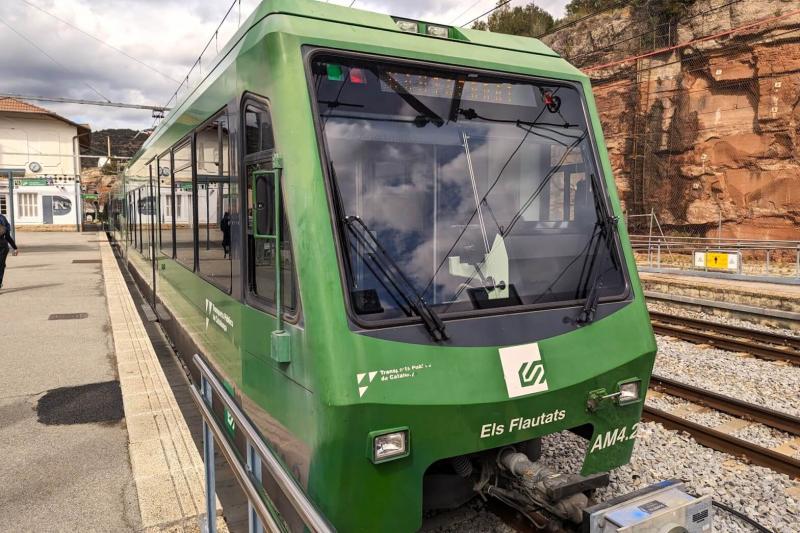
(335, 72)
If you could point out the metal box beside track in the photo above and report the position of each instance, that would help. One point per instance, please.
(664, 507)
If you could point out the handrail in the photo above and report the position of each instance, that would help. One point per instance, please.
(311, 516)
(242, 475)
(716, 241)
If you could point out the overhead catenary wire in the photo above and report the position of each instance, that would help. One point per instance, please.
(680, 20)
(214, 36)
(582, 18)
(51, 58)
(495, 8)
(475, 3)
(101, 41)
(694, 41)
(81, 101)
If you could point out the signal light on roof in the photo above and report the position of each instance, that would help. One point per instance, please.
(409, 26)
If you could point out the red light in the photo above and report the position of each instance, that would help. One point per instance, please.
(548, 98)
(357, 76)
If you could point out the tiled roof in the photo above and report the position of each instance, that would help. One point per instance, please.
(8, 104)
(18, 106)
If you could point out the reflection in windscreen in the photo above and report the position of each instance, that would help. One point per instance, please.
(479, 189)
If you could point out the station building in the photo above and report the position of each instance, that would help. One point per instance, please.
(39, 151)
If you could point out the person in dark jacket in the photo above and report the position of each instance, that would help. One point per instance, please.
(6, 240)
(225, 227)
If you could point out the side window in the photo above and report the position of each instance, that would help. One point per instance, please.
(182, 192)
(166, 224)
(259, 143)
(217, 202)
(257, 130)
(132, 232)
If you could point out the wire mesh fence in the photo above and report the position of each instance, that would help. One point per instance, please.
(701, 113)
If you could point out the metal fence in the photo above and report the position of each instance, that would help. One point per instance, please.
(754, 257)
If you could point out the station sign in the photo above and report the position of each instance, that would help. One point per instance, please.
(719, 260)
(34, 182)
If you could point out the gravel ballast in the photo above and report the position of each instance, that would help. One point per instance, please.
(663, 454)
(767, 383)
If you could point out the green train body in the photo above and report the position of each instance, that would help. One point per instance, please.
(347, 379)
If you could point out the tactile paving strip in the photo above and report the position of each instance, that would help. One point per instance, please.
(167, 467)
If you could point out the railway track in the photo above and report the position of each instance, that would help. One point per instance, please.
(722, 441)
(762, 344)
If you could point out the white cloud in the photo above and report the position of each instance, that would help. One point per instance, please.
(166, 34)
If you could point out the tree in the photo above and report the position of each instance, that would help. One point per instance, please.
(663, 9)
(528, 21)
(579, 8)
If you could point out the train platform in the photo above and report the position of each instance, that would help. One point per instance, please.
(774, 303)
(93, 435)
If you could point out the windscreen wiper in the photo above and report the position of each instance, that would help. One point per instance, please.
(398, 284)
(607, 223)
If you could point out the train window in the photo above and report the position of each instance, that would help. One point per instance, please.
(131, 219)
(262, 255)
(217, 202)
(182, 188)
(137, 206)
(166, 223)
(259, 141)
(258, 130)
(482, 189)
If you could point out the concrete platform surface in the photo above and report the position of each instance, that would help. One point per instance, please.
(753, 293)
(60, 476)
(91, 436)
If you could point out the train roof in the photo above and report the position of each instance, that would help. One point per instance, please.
(326, 13)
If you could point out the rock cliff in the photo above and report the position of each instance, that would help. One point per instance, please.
(701, 112)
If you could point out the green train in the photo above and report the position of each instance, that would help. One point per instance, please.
(399, 245)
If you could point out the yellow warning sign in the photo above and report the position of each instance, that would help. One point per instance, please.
(717, 260)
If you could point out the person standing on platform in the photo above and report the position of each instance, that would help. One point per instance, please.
(225, 227)
(6, 240)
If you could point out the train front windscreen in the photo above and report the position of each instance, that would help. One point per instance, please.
(475, 192)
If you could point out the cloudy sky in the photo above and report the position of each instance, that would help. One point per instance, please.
(43, 56)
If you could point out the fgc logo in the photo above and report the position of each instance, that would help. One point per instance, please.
(523, 370)
(531, 374)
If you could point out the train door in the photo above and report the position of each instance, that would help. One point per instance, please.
(263, 256)
(47, 209)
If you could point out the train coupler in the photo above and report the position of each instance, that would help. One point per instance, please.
(533, 485)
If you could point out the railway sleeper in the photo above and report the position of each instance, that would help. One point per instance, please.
(514, 476)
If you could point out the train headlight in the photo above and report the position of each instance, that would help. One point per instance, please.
(438, 31)
(388, 444)
(629, 392)
(408, 26)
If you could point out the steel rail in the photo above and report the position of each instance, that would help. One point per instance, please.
(765, 337)
(723, 442)
(760, 344)
(726, 404)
